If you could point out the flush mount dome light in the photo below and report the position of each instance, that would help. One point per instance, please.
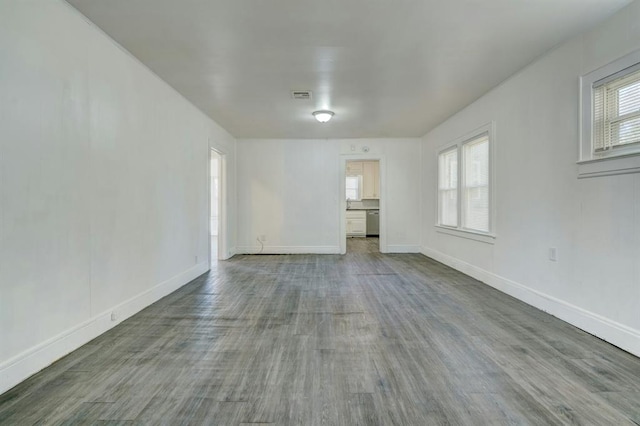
(323, 115)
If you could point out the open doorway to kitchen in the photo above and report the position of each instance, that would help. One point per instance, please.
(215, 206)
(362, 215)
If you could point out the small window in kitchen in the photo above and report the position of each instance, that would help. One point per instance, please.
(354, 188)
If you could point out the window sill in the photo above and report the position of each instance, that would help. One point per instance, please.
(469, 235)
(609, 166)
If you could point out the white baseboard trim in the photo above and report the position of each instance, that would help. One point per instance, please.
(620, 335)
(398, 248)
(29, 362)
(288, 250)
(232, 252)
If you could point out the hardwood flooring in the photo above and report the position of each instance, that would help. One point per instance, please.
(360, 339)
(213, 244)
(363, 245)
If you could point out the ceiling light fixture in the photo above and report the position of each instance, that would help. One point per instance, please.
(323, 115)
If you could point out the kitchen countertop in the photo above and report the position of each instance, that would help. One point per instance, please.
(363, 208)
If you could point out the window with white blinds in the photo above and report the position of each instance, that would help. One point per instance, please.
(610, 119)
(464, 185)
(448, 187)
(616, 111)
(353, 186)
(475, 198)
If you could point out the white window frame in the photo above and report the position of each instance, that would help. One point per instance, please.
(455, 149)
(358, 178)
(458, 144)
(622, 159)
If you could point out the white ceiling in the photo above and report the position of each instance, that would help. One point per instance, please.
(386, 67)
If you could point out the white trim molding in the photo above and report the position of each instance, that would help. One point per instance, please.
(610, 166)
(29, 362)
(469, 235)
(606, 329)
(403, 248)
(288, 250)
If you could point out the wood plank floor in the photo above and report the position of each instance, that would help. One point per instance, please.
(360, 339)
(363, 245)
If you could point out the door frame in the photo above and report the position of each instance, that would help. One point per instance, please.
(222, 205)
(342, 205)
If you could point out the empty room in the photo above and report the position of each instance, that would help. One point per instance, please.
(289, 212)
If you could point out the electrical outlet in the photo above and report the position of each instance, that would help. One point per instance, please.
(553, 254)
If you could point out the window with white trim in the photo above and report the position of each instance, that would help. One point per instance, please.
(610, 119)
(475, 184)
(448, 187)
(353, 186)
(464, 184)
(616, 111)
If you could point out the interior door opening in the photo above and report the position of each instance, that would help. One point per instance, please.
(362, 194)
(215, 206)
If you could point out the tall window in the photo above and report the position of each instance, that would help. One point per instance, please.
(464, 192)
(448, 187)
(475, 198)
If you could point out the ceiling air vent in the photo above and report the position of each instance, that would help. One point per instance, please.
(301, 94)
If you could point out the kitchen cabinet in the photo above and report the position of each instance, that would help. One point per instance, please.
(370, 172)
(356, 223)
(371, 180)
(354, 168)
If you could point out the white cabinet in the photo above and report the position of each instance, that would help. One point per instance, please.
(356, 223)
(370, 172)
(354, 168)
(371, 180)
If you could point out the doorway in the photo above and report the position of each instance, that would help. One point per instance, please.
(362, 213)
(215, 206)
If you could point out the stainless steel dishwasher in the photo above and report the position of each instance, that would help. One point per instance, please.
(373, 223)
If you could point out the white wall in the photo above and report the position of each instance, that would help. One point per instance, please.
(541, 203)
(289, 191)
(103, 185)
